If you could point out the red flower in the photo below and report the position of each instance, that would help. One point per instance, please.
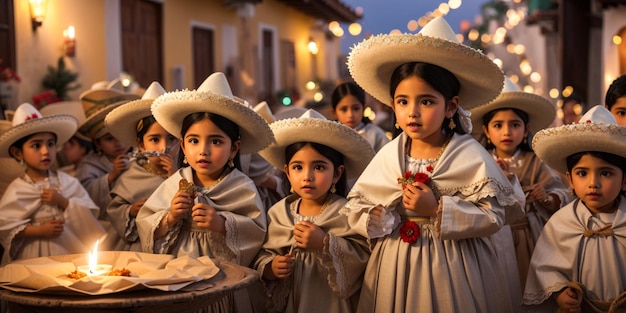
(409, 232)
(45, 98)
(32, 117)
(429, 168)
(7, 74)
(409, 178)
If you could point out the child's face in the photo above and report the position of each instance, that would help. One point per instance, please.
(506, 131)
(110, 146)
(157, 139)
(597, 183)
(420, 110)
(349, 111)
(72, 151)
(619, 110)
(207, 149)
(39, 153)
(311, 174)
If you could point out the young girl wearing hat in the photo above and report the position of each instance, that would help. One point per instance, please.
(431, 198)
(312, 261)
(615, 99)
(43, 212)
(348, 103)
(208, 208)
(507, 123)
(578, 261)
(154, 161)
(99, 170)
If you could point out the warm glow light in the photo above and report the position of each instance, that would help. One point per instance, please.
(498, 62)
(395, 32)
(337, 31)
(355, 29)
(486, 38)
(454, 4)
(519, 49)
(94, 268)
(554, 93)
(444, 8)
(535, 77)
(617, 40)
(69, 33)
(412, 25)
(318, 96)
(93, 257)
(567, 91)
(37, 12)
(525, 67)
(510, 48)
(514, 78)
(313, 48)
(473, 35)
(529, 89)
(310, 85)
(332, 25)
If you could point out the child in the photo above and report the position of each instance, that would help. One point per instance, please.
(430, 199)
(578, 262)
(43, 212)
(348, 102)
(98, 171)
(507, 123)
(208, 208)
(311, 259)
(155, 161)
(615, 100)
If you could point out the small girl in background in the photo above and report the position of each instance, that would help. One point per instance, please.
(431, 198)
(133, 124)
(578, 262)
(348, 102)
(508, 122)
(615, 100)
(311, 260)
(99, 170)
(209, 207)
(43, 212)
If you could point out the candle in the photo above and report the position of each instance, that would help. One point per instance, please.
(93, 268)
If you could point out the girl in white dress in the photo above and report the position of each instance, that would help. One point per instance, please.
(431, 198)
(311, 260)
(43, 212)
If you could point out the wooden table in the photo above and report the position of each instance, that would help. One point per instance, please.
(232, 277)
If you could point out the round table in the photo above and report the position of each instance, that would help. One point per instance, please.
(232, 277)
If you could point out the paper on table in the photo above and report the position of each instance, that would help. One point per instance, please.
(153, 271)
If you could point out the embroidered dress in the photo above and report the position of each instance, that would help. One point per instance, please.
(92, 172)
(579, 247)
(373, 134)
(452, 266)
(134, 184)
(326, 281)
(21, 205)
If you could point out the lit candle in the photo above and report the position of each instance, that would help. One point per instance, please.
(94, 269)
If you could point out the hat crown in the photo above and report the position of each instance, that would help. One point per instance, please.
(439, 28)
(24, 113)
(509, 85)
(264, 111)
(310, 113)
(154, 91)
(218, 84)
(598, 115)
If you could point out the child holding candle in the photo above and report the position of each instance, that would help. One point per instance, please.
(208, 207)
(133, 124)
(44, 212)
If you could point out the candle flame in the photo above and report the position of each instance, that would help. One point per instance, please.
(93, 258)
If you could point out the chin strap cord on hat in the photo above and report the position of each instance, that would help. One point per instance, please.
(464, 118)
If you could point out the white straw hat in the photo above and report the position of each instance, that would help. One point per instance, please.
(372, 62)
(596, 131)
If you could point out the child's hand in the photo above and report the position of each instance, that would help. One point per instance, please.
(120, 164)
(536, 192)
(281, 267)
(419, 198)
(569, 300)
(180, 206)
(51, 229)
(205, 216)
(504, 165)
(377, 211)
(309, 236)
(164, 163)
(134, 208)
(54, 198)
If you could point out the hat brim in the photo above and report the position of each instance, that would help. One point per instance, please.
(63, 126)
(554, 145)
(122, 121)
(356, 150)
(93, 126)
(171, 108)
(541, 112)
(372, 62)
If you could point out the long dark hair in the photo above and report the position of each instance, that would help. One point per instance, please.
(333, 155)
(525, 144)
(143, 125)
(231, 129)
(349, 89)
(439, 78)
(615, 91)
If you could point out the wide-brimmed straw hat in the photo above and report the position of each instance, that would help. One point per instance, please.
(97, 103)
(122, 121)
(541, 112)
(213, 96)
(596, 131)
(372, 61)
(28, 121)
(312, 126)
